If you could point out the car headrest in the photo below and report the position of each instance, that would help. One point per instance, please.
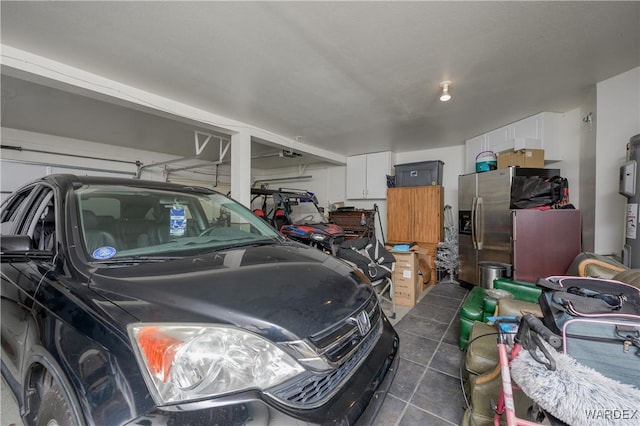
(90, 219)
(134, 211)
(48, 215)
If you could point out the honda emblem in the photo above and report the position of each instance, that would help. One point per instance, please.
(364, 325)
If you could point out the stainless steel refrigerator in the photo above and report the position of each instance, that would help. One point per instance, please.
(536, 243)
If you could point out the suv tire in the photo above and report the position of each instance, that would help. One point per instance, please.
(55, 409)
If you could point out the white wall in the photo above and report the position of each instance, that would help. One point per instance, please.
(311, 178)
(20, 166)
(618, 112)
(569, 138)
(587, 169)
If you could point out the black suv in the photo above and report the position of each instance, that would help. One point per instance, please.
(134, 302)
(296, 215)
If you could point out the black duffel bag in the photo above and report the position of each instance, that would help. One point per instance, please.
(535, 191)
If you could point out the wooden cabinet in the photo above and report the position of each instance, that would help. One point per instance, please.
(416, 214)
(367, 175)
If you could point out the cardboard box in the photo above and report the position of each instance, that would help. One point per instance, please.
(426, 265)
(523, 158)
(405, 294)
(405, 278)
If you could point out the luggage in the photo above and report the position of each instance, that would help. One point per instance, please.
(529, 192)
(599, 322)
(563, 298)
(606, 346)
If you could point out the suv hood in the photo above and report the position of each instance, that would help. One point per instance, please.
(283, 292)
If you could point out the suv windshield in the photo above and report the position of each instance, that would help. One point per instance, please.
(120, 222)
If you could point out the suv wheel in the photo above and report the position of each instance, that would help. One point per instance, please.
(54, 410)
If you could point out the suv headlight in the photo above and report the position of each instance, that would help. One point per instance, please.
(184, 362)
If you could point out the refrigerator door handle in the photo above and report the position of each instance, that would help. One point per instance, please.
(473, 222)
(479, 223)
(514, 228)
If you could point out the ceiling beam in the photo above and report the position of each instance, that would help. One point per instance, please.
(22, 64)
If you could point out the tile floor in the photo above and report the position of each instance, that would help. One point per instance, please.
(426, 389)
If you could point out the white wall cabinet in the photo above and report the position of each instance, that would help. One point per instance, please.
(367, 175)
(485, 142)
(474, 146)
(545, 127)
(540, 131)
(498, 137)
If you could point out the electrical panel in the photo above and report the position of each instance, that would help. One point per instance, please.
(628, 179)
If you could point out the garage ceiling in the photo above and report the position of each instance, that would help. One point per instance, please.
(348, 77)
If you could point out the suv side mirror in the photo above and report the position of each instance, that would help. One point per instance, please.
(17, 248)
(14, 243)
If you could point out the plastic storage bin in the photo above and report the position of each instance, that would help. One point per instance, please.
(419, 174)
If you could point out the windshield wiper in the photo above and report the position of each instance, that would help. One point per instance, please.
(242, 244)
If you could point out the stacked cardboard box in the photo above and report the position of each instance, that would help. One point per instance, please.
(405, 278)
(426, 264)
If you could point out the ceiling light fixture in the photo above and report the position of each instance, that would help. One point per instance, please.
(445, 96)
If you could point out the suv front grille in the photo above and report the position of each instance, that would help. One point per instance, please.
(314, 389)
(338, 341)
(342, 344)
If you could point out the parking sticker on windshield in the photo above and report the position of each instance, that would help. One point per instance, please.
(178, 223)
(102, 253)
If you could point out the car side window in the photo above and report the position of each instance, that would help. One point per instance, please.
(11, 210)
(41, 225)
